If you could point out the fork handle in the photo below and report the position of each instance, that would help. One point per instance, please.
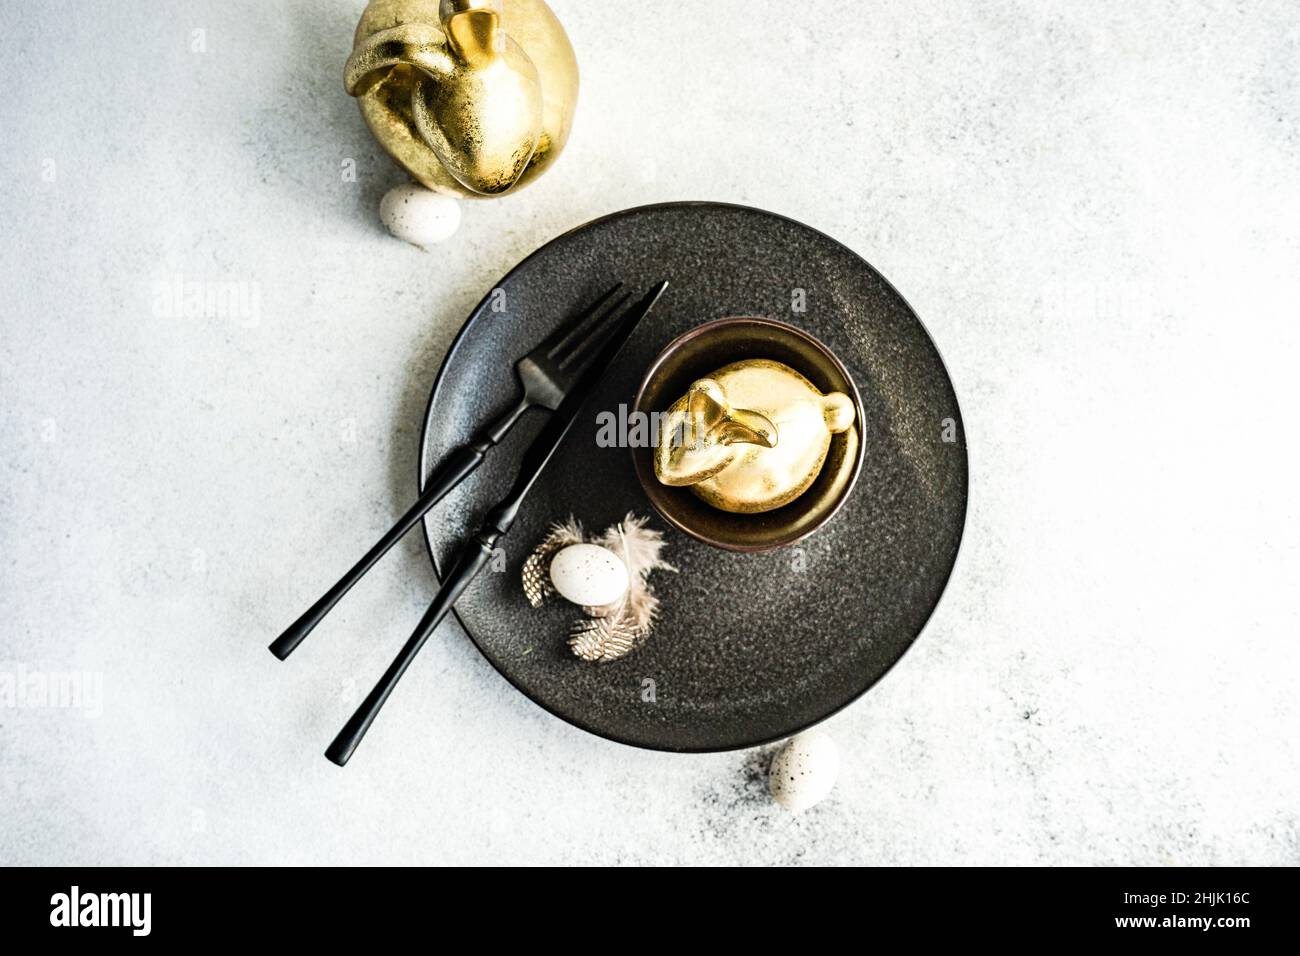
(458, 466)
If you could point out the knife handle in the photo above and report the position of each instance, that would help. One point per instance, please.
(477, 554)
(454, 469)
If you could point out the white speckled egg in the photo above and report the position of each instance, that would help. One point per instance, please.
(418, 215)
(588, 574)
(804, 772)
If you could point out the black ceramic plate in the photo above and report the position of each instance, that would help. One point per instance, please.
(749, 648)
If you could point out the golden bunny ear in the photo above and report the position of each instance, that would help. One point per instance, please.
(717, 423)
(473, 28)
(421, 45)
(743, 427)
(706, 404)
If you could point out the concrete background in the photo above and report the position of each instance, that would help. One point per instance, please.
(1094, 207)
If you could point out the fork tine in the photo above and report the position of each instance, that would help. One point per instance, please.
(594, 334)
(557, 339)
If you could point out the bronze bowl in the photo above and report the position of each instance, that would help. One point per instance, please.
(694, 355)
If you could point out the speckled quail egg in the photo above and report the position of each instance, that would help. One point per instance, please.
(804, 771)
(418, 215)
(589, 575)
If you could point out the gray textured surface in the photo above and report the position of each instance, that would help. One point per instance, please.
(1093, 206)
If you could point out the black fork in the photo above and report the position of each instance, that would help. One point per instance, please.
(546, 374)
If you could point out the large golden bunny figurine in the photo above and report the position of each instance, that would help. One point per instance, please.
(473, 97)
(751, 437)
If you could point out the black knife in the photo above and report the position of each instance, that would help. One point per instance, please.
(478, 551)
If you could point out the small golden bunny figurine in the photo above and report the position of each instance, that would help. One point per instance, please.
(750, 437)
(473, 97)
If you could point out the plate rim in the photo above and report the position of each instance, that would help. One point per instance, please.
(423, 472)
